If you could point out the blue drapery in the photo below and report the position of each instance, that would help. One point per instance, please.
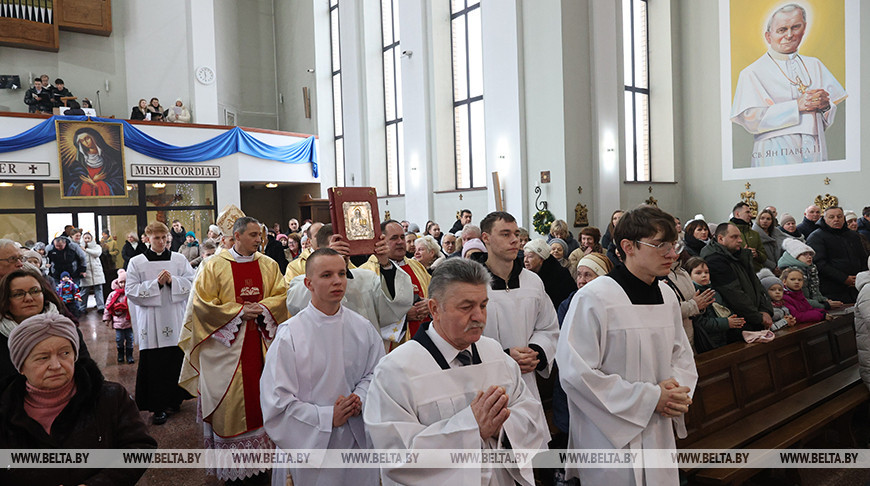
(228, 143)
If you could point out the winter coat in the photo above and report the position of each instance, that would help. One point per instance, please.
(66, 260)
(275, 250)
(839, 253)
(811, 280)
(558, 283)
(751, 239)
(694, 245)
(715, 327)
(800, 308)
(191, 251)
(796, 234)
(129, 252)
(178, 239)
(864, 227)
(95, 275)
(779, 313)
(807, 227)
(68, 291)
(137, 113)
(43, 104)
(101, 415)
(732, 276)
(684, 288)
(116, 308)
(772, 244)
(183, 117)
(862, 325)
(569, 240)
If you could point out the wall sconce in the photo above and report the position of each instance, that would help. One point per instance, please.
(158, 185)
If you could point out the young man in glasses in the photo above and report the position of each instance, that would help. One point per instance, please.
(624, 358)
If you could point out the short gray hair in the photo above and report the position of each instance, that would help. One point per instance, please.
(471, 230)
(4, 242)
(456, 270)
(428, 242)
(786, 9)
(242, 223)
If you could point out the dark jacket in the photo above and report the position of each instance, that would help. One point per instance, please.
(66, 260)
(44, 103)
(137, 114)
(275, 251)
(694, 245)
(7, 369)
(864, 227)
(57, 94)
(732, 276)
(806, 227)
(178, 239)
(128, 252)
(839, 254)
(708, 324)
(752, 240)
(457, 226)
(557, 281)
(101, 415)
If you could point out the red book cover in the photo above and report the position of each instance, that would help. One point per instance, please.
(354, 213)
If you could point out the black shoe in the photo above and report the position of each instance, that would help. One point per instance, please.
(121, 356)
(130, 360)
(159, 418)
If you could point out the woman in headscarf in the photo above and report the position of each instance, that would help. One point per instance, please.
(178, 113)
(25, 293)
(61, 401)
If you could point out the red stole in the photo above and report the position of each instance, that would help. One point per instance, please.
(413, 326)
(101, 189)
(248, 282)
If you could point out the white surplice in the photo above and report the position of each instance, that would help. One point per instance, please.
(157, 313)
(414, 403)
(765, 104)
(612, 355)
(523, 316)
(366, 295)
(314, 359)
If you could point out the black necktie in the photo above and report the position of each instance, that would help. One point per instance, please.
(464, 357)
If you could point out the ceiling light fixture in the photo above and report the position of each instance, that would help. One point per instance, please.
(29, 187)
(158, 185)
(6, 184)
(271, 185)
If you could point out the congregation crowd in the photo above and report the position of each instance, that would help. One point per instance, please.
(438, 339)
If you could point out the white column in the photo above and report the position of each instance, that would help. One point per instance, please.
(606, 106)
(501, 32)
(201, 46)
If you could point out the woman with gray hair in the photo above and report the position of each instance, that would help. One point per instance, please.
(60, 400)
(427, 252)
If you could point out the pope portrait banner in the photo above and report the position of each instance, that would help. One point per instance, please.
(91, 159)
(790, 87)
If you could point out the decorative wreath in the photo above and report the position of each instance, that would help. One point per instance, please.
(542, 221)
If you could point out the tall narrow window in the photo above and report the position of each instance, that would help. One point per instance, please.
(336, 92)
(468, 127)
(393, 97)
(636, 70)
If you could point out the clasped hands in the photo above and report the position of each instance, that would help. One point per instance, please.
(814, 100)
(526, 357)
(344, 408)
(490, 411)
(164, 277)
(251, 310)
(674, 399)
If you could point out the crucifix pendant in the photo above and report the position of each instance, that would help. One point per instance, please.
(802, 88)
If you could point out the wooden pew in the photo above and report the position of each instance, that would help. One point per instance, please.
(773, 395)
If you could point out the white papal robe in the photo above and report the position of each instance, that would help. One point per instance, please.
(418, 401)
(612, 355)
(765, 104)
(366, 295)
(522, 316)
(314, 359)
(157, 313)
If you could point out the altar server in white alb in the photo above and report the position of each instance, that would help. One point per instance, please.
(158, 285)
(382, 299)
(317, 375)
(452, 388)
(520, 315)
(624, 359)
(784, 99)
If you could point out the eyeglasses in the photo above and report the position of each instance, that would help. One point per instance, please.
(19, 294)
(13, 259)
(664, 247)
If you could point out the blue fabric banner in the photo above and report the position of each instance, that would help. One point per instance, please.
(228, 143)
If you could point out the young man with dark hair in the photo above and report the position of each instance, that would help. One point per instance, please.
(624, 358)
(58, 91)
(521, 315)
(38, 98)
(464, 219)
(742, 218)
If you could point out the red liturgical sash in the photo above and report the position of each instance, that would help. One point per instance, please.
(248, 283)
(413, 326)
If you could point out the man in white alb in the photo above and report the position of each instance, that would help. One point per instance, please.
(450, 387)
(624, 359)
(784, 99)
(317, 375)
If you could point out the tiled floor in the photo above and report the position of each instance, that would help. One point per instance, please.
(182, 431)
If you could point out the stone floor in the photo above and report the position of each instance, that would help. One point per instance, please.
(182, 431)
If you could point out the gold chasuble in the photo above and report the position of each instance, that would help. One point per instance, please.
(218, 365)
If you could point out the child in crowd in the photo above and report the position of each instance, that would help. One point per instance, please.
(796, 301)
(711, 326)
(800, 255)
(781, 314)
(117, 311)
(69, 293)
